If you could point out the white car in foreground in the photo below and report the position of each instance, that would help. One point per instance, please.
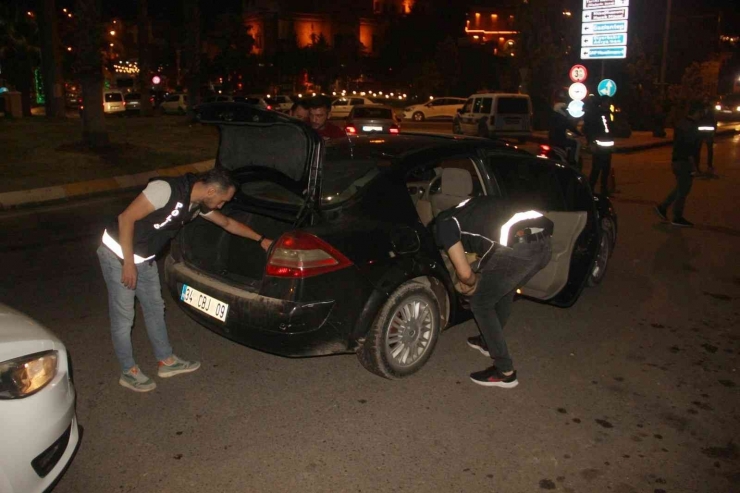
(38, 425)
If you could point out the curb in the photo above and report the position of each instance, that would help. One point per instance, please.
(45, 195)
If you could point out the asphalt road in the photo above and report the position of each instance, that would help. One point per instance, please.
(633, 389)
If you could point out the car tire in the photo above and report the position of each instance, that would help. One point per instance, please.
(606, 245)
(408, 323)
(418, 116)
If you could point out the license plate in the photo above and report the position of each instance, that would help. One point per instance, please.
(208, 304)
(368, 128)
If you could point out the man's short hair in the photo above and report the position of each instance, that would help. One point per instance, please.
(320, 102)
(220, 177)
(301, 103)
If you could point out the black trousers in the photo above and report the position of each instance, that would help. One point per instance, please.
(710, 152)
(682, 171)
(507, 270)
(601, 165)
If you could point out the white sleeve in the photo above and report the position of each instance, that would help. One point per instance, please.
(158, 193)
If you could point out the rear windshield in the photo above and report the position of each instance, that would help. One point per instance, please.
(513, 106)
(377, 113)
(113, 97)
(342, 178)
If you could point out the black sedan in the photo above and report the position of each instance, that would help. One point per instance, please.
(354, 266)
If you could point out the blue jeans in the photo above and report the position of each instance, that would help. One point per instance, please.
(122, 309)
(507, 270)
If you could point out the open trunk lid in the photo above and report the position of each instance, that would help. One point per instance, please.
(258, 139)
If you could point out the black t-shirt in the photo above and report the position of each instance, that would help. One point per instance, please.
(686, 140)
(482, 222)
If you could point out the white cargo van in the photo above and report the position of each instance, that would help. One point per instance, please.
(495, 115)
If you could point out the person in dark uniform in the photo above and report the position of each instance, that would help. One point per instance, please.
(597, 127)
(686, 140)
(127, 257)
(707, 126)
(561, 125)
(511, 247)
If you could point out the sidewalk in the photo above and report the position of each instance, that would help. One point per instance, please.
(638, 141)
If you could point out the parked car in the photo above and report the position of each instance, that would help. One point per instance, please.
(133, 102)
(113, 103)
(323, 287)
(38, 427)
(341, 107)
(175, 104)
(728, 106)
(257, 101)
(371, 119)
(436, 109)
(495, 115)
(280, 103)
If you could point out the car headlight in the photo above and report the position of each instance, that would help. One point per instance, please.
(737, 109)
(24, 376)
(718, 107)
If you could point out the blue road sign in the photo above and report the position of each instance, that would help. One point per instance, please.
(603, 52)
(607, 87)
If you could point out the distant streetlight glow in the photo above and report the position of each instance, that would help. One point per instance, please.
(69, 48)
(567, 13)
(112, 33)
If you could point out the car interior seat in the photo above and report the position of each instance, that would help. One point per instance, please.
(456, 186)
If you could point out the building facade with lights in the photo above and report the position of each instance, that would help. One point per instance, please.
(277, 22)
(493, 27)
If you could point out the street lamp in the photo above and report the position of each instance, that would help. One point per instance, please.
(112, 33)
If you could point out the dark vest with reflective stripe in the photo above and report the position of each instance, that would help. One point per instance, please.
(153, 232)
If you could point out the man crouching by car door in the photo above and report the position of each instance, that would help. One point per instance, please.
(511, 246)
(127, 257)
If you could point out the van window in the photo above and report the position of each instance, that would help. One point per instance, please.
(512, 106)
(476, 105)
(357, 101)
(486, 105)
(113, 97)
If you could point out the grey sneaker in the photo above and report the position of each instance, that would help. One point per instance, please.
(135, 380)
(178, 366)
(661, 212)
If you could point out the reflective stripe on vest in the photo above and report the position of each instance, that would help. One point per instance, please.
(116, 248)
(518, 217)
(604, 143)
(706, 129)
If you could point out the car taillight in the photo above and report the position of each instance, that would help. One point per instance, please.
(395, 129)
(269, 107)
(298, 255)
(350, 130)
(544, 147)
(124, 103)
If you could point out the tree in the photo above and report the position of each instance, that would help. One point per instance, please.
(641, 98)
(192, 53)
(19, 50)
(447, 59)
(144, 57)
(90, 72)
(51, 63)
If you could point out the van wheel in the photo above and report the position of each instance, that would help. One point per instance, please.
(404, 334)
(598, 271)
(418, 116)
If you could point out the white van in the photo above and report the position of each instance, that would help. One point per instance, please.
(495, 115)
(113, 102)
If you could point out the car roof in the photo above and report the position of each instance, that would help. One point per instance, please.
(373, 106)
(403, 145)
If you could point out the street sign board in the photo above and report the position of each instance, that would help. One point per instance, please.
(604, 53)
(607, 87)
(603, 4)
(604, 40)
(606, 27)
(577, 91)
(618, 14)
(578, 73)
(575, 109)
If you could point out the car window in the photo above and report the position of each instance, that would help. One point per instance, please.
(436, 102)
(172, 99)
(357, 101)
(429, 171)
(132, 97)
(477, 105)
(486, 104)
(468, 106)
(340, 102)
(378, 113)
(528, 182)
(467, 164)
(113, 97)
(512, 106)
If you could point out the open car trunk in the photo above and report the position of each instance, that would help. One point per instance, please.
(213, 250)
(272, 156)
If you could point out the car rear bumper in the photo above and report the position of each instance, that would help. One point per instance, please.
(272, 325)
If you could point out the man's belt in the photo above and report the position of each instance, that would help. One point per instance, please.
(527, 237)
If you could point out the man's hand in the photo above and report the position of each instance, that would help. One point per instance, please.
(265, 244)
(468, 286)
(129, 275)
